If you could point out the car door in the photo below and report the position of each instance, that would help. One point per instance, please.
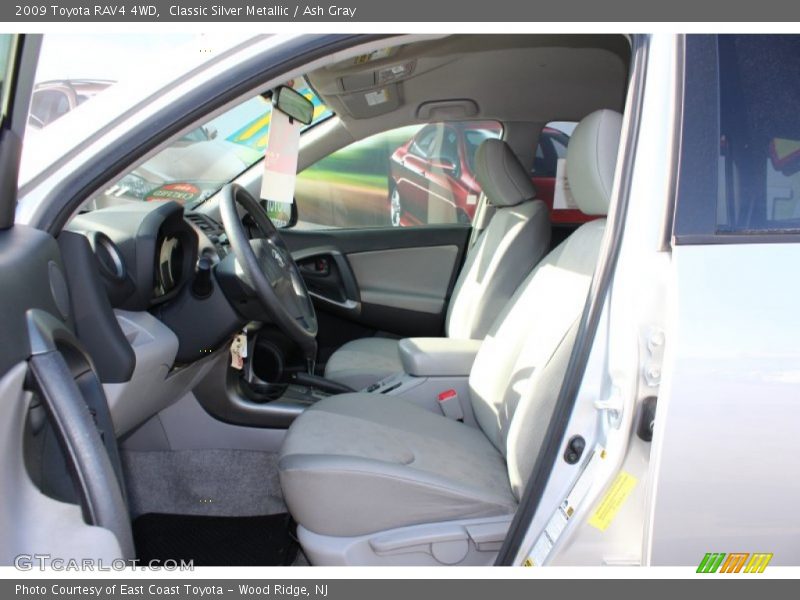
(61, 478)
(367, 276)
(387, 281)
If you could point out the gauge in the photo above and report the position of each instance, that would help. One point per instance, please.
(170, 265)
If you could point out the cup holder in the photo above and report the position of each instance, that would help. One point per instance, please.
(264, 371)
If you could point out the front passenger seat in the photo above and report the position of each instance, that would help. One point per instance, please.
(516, 238)
(374, 479)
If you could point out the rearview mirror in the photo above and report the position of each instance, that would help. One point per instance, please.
(293, 103)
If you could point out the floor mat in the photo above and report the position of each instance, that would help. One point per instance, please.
(216, 541)
(210, 482)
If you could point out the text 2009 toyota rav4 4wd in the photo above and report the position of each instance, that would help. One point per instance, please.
(516, 389)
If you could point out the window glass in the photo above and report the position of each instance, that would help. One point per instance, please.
(759, 146)
(411, 176)
(203, 160)
(6, 44)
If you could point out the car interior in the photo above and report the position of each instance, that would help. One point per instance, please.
(389, 387)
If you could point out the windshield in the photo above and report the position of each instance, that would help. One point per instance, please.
(203, 160)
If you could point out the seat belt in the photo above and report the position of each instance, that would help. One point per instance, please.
(483, 214)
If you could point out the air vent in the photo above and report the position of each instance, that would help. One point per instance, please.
(204, 223)
(108, 256)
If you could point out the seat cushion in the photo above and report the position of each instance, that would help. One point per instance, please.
(362, 362)
(355, 464)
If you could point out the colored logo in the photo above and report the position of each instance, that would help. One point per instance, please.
(737, 562)
(179, 192)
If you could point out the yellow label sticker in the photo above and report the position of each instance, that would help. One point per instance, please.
(613, 500)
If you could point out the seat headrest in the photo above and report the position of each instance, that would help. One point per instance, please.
(501, 176)
(592, 160)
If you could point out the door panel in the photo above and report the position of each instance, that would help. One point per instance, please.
(393, 280)
(60, 470)
(61, 476)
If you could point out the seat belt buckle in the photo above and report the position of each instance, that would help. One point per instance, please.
(450, 405)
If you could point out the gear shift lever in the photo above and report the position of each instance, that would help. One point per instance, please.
(311, 357)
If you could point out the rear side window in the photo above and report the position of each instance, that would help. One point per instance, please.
(759, 143)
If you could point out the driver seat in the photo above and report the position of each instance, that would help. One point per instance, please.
(374, 479)
(515, 240)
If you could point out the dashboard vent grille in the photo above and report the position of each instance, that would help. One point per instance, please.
(203, 222)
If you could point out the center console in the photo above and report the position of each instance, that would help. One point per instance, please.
(273, 388)
(435, 375)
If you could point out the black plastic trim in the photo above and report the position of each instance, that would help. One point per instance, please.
(25, 258)
(67, 394)
(96, 324)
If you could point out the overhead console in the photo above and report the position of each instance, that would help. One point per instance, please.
(368, 85)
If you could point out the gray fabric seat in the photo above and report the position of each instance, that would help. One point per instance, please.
(372, 462)
(356, 464)
(516, 238)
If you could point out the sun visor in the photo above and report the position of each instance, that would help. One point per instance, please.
(372, 103)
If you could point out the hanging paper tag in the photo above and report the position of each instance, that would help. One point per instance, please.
(280, 159)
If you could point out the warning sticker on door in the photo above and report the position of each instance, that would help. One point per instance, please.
(612, 502)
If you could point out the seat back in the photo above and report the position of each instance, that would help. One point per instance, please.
(517, 374)
(515, 240)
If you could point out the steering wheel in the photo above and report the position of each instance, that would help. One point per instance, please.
(269, 269)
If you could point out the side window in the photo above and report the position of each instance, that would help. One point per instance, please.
(412, 176)
(759, 150)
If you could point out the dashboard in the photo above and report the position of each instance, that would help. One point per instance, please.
(146, 251)
(142, 257)
(130, 270)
